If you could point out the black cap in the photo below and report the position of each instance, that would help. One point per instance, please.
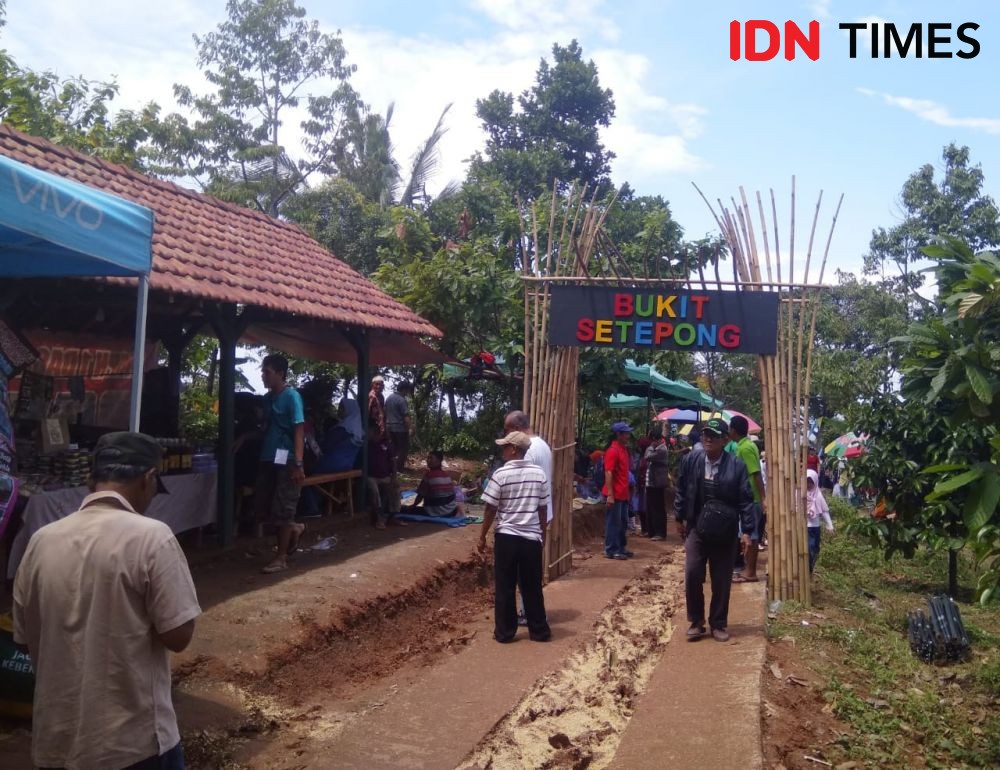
(126, 448)
(716, 427)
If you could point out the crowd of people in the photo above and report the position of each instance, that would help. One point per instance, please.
(108, 590)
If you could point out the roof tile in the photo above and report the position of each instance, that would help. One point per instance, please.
(210, 249)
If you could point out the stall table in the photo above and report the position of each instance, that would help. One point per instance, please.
(190, 504)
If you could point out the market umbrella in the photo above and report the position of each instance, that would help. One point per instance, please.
(689, 415)
(839, 446)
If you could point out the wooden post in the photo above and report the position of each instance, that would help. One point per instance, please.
(228, 326)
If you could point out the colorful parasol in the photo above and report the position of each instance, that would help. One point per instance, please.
(690, 415)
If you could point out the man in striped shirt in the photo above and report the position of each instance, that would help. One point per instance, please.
(517, 498)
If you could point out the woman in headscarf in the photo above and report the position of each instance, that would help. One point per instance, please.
(817, 511)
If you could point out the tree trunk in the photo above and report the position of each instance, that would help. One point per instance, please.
(953, 574)
(212, 366)
(453, 409)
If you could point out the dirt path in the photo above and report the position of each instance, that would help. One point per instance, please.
(380, 654)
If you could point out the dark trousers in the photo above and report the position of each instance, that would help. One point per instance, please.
(814, 539)
(615, 525)
(171, 759)
(656, 511)
(401, 444)
(517, 562)
(720, 558)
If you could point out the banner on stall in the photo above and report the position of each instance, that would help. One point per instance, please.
(664, 318)
(79, 374)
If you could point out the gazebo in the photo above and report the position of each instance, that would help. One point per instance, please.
(247, 276)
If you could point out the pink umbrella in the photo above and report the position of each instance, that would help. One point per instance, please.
(690, 415)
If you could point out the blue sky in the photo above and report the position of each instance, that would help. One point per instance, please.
(686, 113)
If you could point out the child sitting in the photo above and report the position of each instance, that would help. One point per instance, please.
(437, 490)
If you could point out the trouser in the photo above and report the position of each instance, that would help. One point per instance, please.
(615, 524)
(401, 444)
(656, 511)
(517, 563)
(171, 759)
(384, 496)
(814, 538)
(720, 558)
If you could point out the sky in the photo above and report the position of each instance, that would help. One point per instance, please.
(685, 112)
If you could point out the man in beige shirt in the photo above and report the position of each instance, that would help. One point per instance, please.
(99, 598)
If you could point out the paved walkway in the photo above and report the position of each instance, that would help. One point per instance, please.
(702, 705)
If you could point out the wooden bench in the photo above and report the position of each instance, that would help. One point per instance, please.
(326, 483)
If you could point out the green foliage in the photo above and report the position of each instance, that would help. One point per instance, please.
(261, 61)
(75, 112)
(465, 289)
(553, 133)
(352, 227)
(853, 356)
(952, 365)
(199, 417)
(907, 439)
(953, 205)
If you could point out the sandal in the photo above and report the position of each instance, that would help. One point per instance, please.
(741, 579)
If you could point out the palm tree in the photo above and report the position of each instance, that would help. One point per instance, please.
(368, 161)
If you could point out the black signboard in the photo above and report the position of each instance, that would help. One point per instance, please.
(664, 318)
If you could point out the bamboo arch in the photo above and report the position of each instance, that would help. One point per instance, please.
(574, 236)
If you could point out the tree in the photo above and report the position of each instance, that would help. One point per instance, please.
(262, 60)
(853, 356)
(554, 133)
(344, 220)
(952, 206)
(75, 112)
(952, 365)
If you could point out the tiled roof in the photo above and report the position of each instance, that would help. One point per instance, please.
(212, 250)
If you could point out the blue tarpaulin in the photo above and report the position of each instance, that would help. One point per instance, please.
(52, 226)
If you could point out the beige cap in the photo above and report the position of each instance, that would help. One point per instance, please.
(515, 438)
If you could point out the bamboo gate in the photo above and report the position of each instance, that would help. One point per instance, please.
(567, 254)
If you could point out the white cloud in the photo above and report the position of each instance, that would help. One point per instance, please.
(151, 48)
(821, 9)
(935, 113)
(571, 17)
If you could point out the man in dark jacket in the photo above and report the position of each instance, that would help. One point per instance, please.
(719, 479)
(657, 481)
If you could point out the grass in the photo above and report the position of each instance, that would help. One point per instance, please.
(897, 710)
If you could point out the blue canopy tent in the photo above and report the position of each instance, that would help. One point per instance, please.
(53, 227)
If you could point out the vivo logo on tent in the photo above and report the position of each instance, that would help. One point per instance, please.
(761, 40)
(50, 198)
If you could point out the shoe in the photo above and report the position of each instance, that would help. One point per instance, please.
(540, 637)
(695, 632)
(657, 538)
(720, 634)
(629, 554)
(503, 639)
(522, 619)
(275, 566)
(619, 556)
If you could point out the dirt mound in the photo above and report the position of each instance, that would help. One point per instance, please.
(574, 717)
(369, 641)
(588, 524)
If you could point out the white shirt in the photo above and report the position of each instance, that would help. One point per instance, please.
(517, 491)
(540, 454)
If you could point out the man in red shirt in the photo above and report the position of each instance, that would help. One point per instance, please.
(616, 470)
